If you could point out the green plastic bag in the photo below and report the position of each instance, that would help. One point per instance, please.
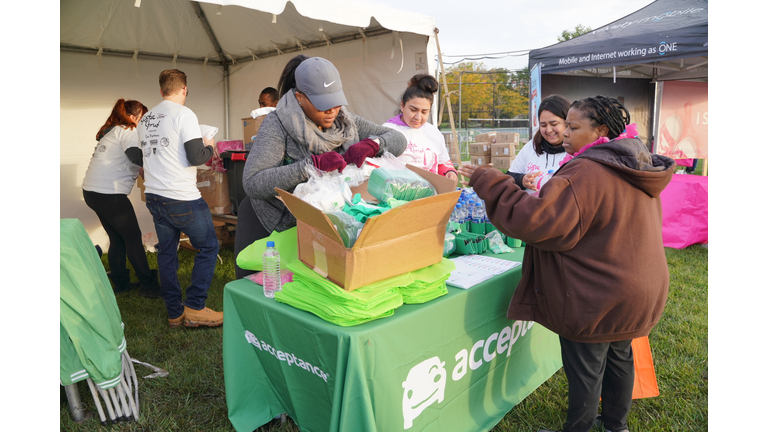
(405, 185)
(286, 243)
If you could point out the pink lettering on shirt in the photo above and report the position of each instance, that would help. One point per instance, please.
(532, 167)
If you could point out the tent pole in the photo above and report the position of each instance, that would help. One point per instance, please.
(454, 137)
(215, 42)
(226, 101)
(76, 407)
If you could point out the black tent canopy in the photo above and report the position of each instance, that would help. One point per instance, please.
(666, 40)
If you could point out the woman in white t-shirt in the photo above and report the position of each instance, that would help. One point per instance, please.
(540, 157)
(426, 145)
(111, 174)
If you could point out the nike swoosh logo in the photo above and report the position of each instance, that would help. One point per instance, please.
(329, 84)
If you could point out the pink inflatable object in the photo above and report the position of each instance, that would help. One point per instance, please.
(684, 208)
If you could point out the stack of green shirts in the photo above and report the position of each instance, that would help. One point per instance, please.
(428, 283)
(404, 185)
(313, 293)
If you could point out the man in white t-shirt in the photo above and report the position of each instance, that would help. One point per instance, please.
(173, 147)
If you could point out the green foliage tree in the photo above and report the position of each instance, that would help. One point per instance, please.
(577, 31)
(485, 93)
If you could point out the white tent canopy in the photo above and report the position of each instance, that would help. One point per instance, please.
(230, 51)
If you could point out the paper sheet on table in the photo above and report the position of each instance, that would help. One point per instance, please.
(496, 266)
(474, 269)
(466, 276)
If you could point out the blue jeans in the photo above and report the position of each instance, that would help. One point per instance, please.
(193, 218)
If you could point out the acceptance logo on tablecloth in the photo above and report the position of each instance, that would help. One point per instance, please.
(426, 382)
(285, 356)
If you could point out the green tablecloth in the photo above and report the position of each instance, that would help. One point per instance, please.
(444, 365)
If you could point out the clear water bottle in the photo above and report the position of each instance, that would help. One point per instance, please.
(478, 215)
(271, 266)
(456, 214)
(463, 214)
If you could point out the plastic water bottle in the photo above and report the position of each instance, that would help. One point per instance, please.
(478, 215)
(456, 214)
(463, 214)
(271, 265)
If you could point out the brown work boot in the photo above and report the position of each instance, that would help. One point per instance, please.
(204, 317)
(175, 322)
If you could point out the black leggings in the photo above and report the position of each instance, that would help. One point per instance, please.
(249, 229)
(118, 218)
(595, 371)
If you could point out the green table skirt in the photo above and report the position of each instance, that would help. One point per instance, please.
(455, 363)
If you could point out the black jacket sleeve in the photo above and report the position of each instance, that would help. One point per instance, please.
(135, 155)
(197, 152)
(518, 179)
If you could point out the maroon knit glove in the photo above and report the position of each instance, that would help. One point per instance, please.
(356, 153)
(329, 161)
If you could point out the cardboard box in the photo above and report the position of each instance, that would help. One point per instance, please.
(250, 128)
(480, 149)
(507, 137)
(502, 162)
(503, 149)
(140, 185)
(214, 187)
(488, 137)
(406, 238)
(479, 160)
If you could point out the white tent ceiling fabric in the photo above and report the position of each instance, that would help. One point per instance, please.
(171, 27)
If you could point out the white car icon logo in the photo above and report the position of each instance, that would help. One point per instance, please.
(424, 386)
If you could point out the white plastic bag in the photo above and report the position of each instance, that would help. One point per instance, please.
(326, 191)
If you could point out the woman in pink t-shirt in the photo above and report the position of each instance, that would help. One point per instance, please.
(426, 145)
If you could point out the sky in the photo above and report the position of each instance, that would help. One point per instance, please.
(470, 27)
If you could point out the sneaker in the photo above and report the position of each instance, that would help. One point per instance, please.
(204, 317)
(175, 322)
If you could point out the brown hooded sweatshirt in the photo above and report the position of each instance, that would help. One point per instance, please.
(594, 268)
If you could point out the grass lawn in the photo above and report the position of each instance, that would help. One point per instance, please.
(191, 397)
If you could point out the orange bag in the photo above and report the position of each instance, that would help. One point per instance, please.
(645, 375)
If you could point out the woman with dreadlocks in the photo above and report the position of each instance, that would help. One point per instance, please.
(594, 269)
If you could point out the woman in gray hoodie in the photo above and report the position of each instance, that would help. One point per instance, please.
(310, 127)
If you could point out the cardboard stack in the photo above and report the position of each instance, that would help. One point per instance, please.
(480, 150)
(214, 188)
(406, 238)
(503, 149)
(250, 128)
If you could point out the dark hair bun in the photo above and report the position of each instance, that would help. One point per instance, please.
(424, 82)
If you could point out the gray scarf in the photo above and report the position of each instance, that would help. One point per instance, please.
(304, 130)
